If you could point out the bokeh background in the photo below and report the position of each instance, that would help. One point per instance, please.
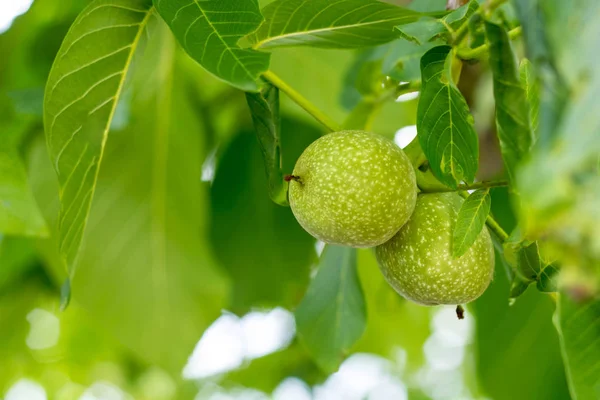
(214, 320)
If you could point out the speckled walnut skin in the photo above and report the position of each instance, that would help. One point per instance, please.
(418, 261)
(353, 188)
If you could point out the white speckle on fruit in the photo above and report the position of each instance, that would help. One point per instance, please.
(356, 189)
(423, 269)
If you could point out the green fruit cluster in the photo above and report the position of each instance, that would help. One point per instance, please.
(358, 189)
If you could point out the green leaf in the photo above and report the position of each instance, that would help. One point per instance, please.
(531, 85)
(402, 61)
(513, 245)
(83, 88)
(332, 314)
(339, 24)
(260, 244)
(547, 280)
(512, 110)
(529, 262)
(147, 272)
(518, 286)
(444, 123)
(264, 107)
(518, 344)
(470, 221)
(65, 294)
(209, 31)
(19, 213)
(427, 28)
(529, 266)
(579, 333)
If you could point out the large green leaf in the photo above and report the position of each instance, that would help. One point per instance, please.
(470, 221)
(579, 333)
(444, 123)
(512, 110)
(259, 243)
(19, 213)
(332, 315)
(331, 24)
(264, 107)
(83, 88)
(147, 272)
(209, 31)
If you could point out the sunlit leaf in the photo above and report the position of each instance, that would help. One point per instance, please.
(470, 221)
(332, 315)
(444, 123)
(209, 31)
(331, 24)
(147, 272)
(82, 91)
(264, 107)
(579, 333)
(512, 110)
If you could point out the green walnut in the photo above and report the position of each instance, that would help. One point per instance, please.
(418, 261)
(352, 188)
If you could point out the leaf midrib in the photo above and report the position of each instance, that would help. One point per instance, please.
(134, 45)
(479, 204)
(260, 44)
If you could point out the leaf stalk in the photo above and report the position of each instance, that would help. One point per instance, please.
(302, 101)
